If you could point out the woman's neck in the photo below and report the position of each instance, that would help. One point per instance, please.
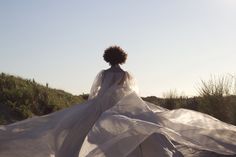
(115, 66)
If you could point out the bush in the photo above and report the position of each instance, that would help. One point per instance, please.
(215, 97)
(21, 99)
(170, 99)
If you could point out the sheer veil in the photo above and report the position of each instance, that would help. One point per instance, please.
(96, 86)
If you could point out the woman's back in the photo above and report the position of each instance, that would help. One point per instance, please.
(112, 76)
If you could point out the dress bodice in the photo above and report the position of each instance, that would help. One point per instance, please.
(108, 81)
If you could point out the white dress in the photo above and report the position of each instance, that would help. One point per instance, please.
(116, 122)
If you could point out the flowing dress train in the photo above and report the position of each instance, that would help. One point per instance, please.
(116, 122)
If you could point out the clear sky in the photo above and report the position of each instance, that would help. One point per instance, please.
(171, 44)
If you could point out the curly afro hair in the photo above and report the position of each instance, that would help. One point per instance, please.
(114, 55)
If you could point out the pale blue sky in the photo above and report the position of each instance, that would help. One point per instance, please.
(171, 44)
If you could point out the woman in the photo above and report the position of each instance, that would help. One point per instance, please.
(116, 122)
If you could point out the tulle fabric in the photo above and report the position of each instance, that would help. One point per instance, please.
(116, 122)
(107, 82)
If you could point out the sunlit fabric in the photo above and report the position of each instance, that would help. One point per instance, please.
(116, 122)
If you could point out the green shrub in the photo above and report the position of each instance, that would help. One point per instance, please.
(215, 98)
(21, 99)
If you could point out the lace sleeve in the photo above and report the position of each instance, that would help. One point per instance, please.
(131, 82)
(96, 85)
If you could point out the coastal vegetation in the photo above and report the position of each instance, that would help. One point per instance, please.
(23, 98)
(216, 97)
